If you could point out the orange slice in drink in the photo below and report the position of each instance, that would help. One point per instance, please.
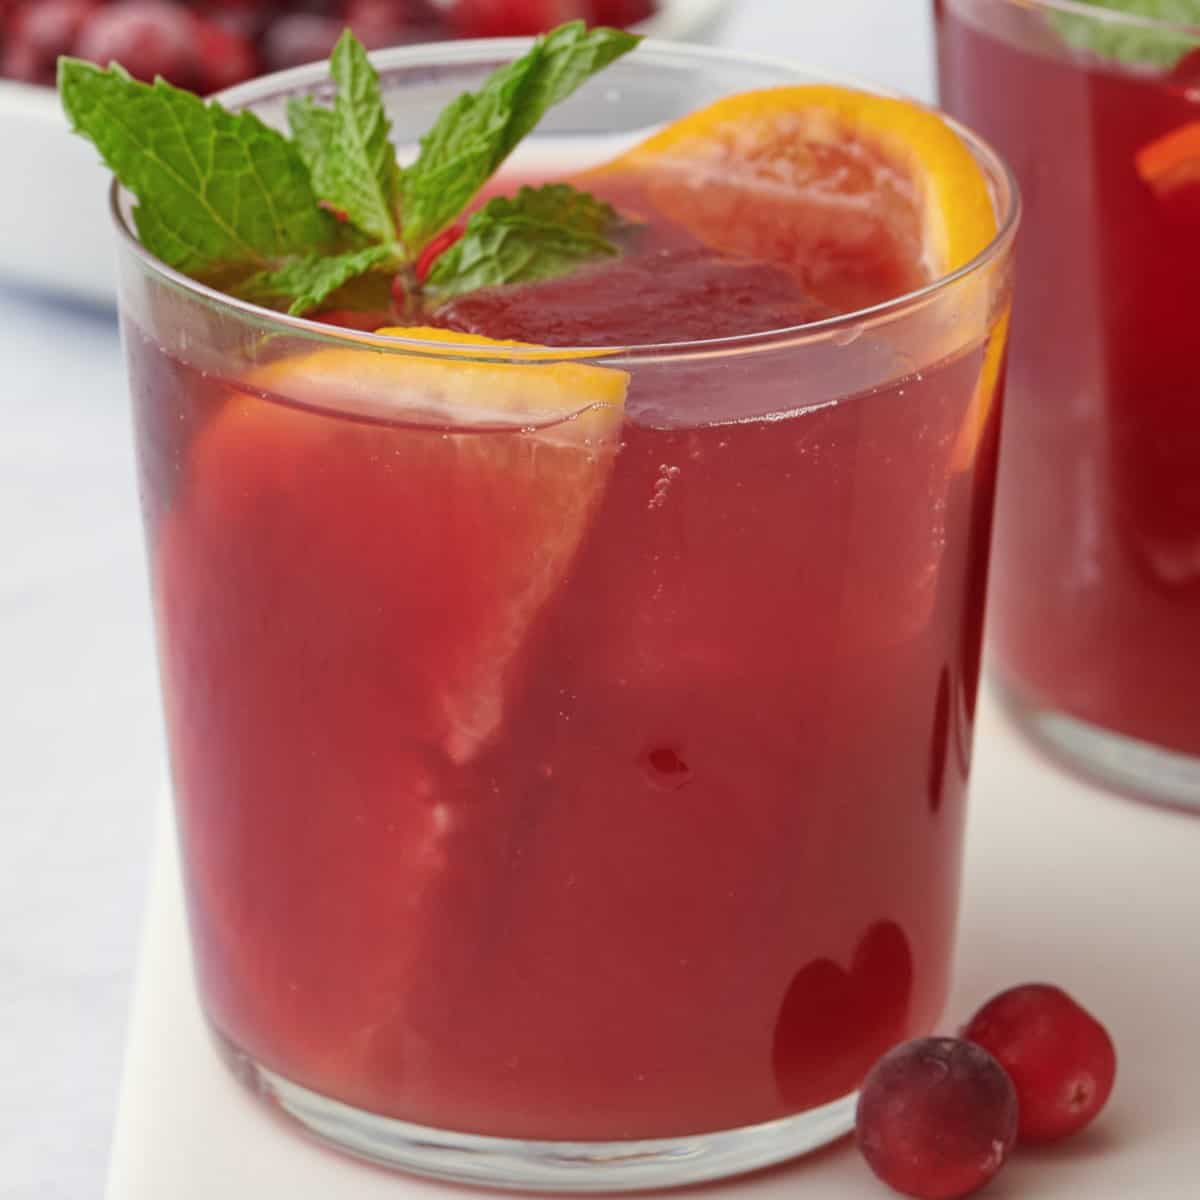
(483, 473)
(863, 197)
(357, 550)
(1172, 161)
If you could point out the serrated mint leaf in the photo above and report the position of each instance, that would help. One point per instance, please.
(312, 129)
(478, 131)
(558, 204)
(571, 55)
(305, 283)
(348, 148)
(538, 234)
(1131, 42)
(214, 188)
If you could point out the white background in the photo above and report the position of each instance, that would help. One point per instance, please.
(81, 759)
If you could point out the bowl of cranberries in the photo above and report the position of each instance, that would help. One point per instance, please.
(207, 45)
(53, 240)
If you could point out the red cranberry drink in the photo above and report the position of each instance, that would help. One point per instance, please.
(1096, 592)
(570, 744)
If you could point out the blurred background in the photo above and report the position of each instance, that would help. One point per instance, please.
(82, 765)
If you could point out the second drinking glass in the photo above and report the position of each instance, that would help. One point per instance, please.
(1095, 610)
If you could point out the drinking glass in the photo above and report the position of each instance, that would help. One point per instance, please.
(1094, 616)
(569, 774)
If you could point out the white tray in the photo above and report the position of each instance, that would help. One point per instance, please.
(1064, 883)
(54, 224)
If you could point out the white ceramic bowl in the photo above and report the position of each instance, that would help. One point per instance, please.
(54, 224)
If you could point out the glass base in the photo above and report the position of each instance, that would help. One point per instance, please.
(1127, 765)
(543, 1166)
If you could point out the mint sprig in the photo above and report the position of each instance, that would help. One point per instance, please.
(286, 222)
(478, 131)
(214, 188)
(1130, 42)
(539, 233)
(348, 150)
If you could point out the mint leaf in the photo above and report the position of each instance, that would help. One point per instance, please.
(348, 149)
(305, 283)
(312, 129)
(538, 234)
(226, 198)
(214, 189)
(478, 131)
(1131, 42)
(558, 204)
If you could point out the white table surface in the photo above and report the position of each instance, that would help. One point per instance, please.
(80, 761)
(81, 758)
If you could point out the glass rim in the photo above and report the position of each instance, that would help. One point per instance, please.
(1113, 16)
(1008, 201)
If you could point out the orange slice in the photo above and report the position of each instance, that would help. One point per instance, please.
(813, 176)
(1171, 161)
(460, 379)
(347, 577)
(863, 197)
(473, 475)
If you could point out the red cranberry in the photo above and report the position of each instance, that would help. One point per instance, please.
(147, 37)
(512, 18)
(937, 1118)
(621, 13)
(1060, 1058)
(246, 18)
(224, 57)
(378, 23)
(300, 38)
(38, 33)
(666, 769)
(8, 11)
(427, 19)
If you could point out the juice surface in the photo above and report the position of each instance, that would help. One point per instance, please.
(672, 846)
(1095, 607)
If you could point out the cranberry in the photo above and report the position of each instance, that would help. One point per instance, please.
(1060, 1058)
(300, 38)
(8, 11)
(666, 769)
(224, 57)
(510, 18)
(621, 13)
(147, 37)
(836, 1021)
(38, 33)
(246, 18)
(379, 23)
(937, 1118)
